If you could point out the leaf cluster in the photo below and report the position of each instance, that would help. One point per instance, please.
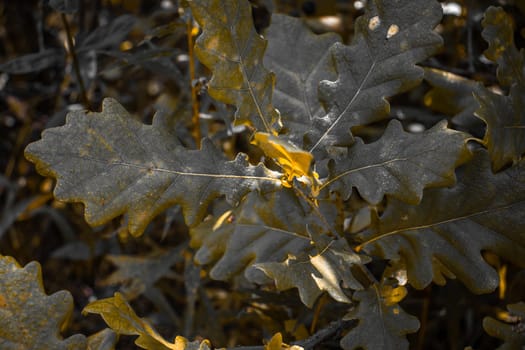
(330, 209)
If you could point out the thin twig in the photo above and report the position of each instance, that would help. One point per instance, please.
(76, 66)
(309, 343)
(423, 318)
(470, 40)
(316, 211)
(320, 303)
(196, 128)
(329, 331)
(40, 26)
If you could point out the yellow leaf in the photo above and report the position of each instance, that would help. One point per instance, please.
(298, 330)
(121, 318)
(391, 295)
(295, 162)
(276, 343)
(502, 273)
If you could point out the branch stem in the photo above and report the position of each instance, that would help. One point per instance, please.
(328, 332)
(196, 128)
(76, 66)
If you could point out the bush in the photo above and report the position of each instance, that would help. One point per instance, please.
(307, 193)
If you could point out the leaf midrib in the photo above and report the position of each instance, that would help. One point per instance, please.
(360, 88)
(175, 172)
(491, 210)
(243, 68)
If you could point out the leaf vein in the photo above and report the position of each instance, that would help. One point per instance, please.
(368, 73)
(459, 218)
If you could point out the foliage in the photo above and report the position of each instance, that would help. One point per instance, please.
(313, 206)
(30, 319)
(505, 132)
(512, 334)
(121, 318)
(140, 172)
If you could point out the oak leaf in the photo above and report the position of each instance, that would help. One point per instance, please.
(503, 114)
(264, 228)
(30, 319)
(446, 233)
(390, 39)
(381, 324)
(512, 333)
(121, 318)
(116, 165)
(231, 47)
(300, 59)
(325, 269)
(399, 164)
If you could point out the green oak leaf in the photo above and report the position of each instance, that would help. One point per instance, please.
(381, 324)
(230, 46)
(326, 269)
(445, 234)
(505, 134)
(512, 333)
(106, 339)
(30, 319)
(140, 273)
(498, 32)
(264, 228)
(107, 36)
(399, 164)
(451, 95)
(390, 39)
(300, 60)
(34, 62)
(116, 165)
